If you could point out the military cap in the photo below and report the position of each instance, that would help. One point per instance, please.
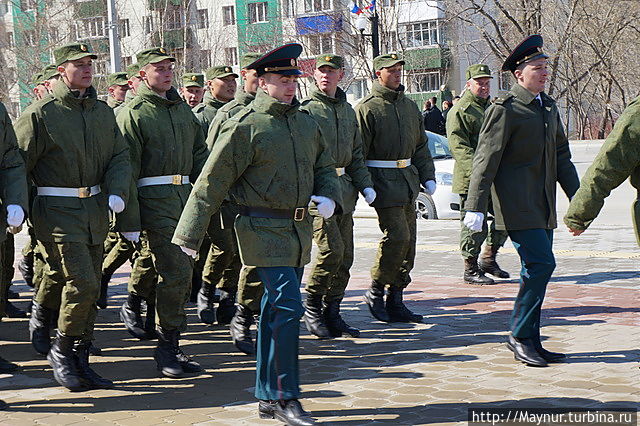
(37, 78)
(49, 72)
(117, 79)
(192, 79)
(478, 71)
(386, 61)
(133, 70)
(152, 55)
(329, 59)
(72, 52)
(219, 71)
(249, 58)
(528, 50)
(281, 60)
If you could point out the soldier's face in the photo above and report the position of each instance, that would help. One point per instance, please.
(390, 77)
(250, 80)
(159, 76)
(192, 95)
(533, 76)
(223, 89)
(327, 78)
(118, 91)
(280, 87)
(480, 86)
(134, 82)
(77, 74)
(40, 91)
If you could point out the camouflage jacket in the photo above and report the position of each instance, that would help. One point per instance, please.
(207, 110)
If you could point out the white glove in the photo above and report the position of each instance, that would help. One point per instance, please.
(14, 229)
(15, 215)
(369, 195)
(474, 220)
(189, 252)
(325, 205)
(116, 204)
(430, 187)
(134, 236)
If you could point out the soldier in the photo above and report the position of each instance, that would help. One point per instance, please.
(192, 89)
(328, 104)
(221, 88)
(277, 158)
(134, 80)
(522, 152)
(167, 152)
(463, 127)
(39, 89)
(618, 159)
(395, 149)
(117, 86)
(77, 159)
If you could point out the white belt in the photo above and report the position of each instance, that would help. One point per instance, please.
(340, 171)
(163, 180)
(389, 164)
(56, 191)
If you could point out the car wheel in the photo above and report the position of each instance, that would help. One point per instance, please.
(425, 207)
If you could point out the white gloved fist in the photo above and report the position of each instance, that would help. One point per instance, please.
(430, 187)
(473, 220)
(369, 195)
(325, 206)
(15, 215)
(189, 252)
(134, 236)
(116, 204)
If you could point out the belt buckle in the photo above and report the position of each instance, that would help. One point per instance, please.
(299, 214)
(401, 164)
(176, 180)
(84, 192)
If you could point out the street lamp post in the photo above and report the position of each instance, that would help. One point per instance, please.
(361, 25)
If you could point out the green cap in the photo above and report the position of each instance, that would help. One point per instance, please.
(329, 59)
(153, 56)
(219, 71)
(117, 79)
(193, 79)
(37, 79)
(49, 72)
(133, 70)
(478, 71)
(386, 61)
(249, 58)
(72, 52)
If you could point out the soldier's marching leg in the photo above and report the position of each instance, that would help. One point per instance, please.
(495, 239)
(250, 292)
(5, 366)
(26, 264)
(198, 270)
(119, 253)
(8, 257)
(470, 246)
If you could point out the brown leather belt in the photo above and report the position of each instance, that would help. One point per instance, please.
(296, 214)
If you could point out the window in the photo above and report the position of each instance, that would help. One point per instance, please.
(91, 27)
(357, 88)
(317, 5)
(229, 15)
(319, 43)
(174, 19)
(148, 24)
(390, 41)
(504, 80)
(288, 8)
(125, 29)
(203, 19)
(257, 12)
(10, 40)
(421, 34)
(29, 37)
(4, 7)
(231, 55)
(424, 81)
(28, 4)
(126, 61)
(100, 67)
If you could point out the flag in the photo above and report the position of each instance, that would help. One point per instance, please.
(353, 8)
(372, 6)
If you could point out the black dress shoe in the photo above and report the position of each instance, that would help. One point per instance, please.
(525, 351)
(547, 355)
(290, 412)
(266, 408)
(7, 366)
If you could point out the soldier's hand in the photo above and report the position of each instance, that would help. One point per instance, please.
(15, 215)
(14, 229)
(116, 204)
(134, 236)
(473, 220)
(369, 195)
(576, 232)
(430, 187)
(189, 252)
(325, 205)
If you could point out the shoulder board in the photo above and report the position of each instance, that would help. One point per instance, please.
(242, 114)
(502, 99)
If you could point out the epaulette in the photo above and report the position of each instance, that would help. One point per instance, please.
(242, 114)
(502, 99)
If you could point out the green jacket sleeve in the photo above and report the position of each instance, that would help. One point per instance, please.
(27, 129)
(366, 123)
(325, 179)
(422, 156)
(200, 154)
(12, 169)
(356, 169)
(117, 176)
(460, 144)
(129, 219)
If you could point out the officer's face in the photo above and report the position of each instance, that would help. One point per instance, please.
(40, 91)
(192, 95)
(390, 77)
(278, 86)
(77, 74)
(480, 86)
(327, 78)
(223, 89)
(250, 80)
(118, 91)
(533, 76)
(159, 75)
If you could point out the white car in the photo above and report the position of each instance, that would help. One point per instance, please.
(443, 204)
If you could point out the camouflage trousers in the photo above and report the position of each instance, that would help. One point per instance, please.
(7, 258)
(471, 241)
(117, 251)
(222, 265)
(143, 278)
(397, 249)
(250, 289)
(330, 274)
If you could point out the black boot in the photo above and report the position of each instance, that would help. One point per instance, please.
(374, 297)
(473, 274)
(226, 307)
(313, 318)
(205, 309)
(289, 412)
(196, 285)
(104, 287)
(166, 353)
(547, 355)
(150, 322)
(240, 329)
(525, 351)
(488, 264)
(92, 379)
(396, 308)
(94, 350)
(335, 323)
(131, 316)
(40, 328)
(64, 362)
(11, 310)
(187, 364)
(3, 405)
(25, 266)
(7, 366)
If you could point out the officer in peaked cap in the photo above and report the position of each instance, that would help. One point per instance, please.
(221, 88)
(522, 154)
(273, 227)
(192, 89)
